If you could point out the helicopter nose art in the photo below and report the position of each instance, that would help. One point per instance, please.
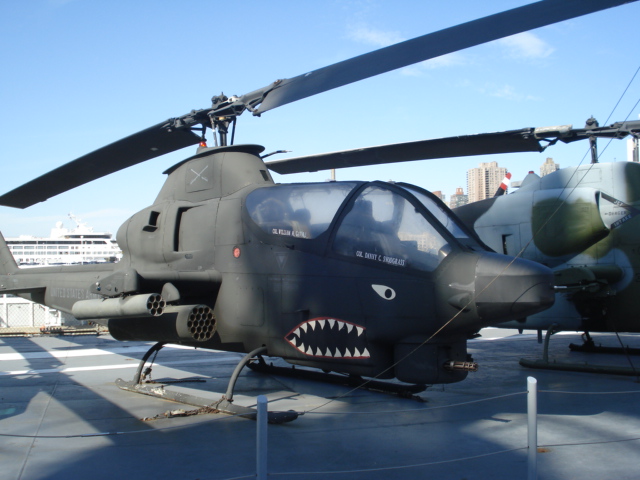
(511, 288)
(329, 338)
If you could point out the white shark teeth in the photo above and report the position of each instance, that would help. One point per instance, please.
(329, 331)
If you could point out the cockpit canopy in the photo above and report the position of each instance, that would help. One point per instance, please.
(297, 210)
(396, 225)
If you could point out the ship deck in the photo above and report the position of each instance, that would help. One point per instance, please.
(62, 416)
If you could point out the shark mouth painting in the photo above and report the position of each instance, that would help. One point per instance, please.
(329, 338)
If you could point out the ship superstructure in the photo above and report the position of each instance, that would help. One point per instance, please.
(64, 246)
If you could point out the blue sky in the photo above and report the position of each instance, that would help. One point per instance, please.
(77, 74)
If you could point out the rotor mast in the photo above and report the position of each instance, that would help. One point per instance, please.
(593, 139)
(223, 114)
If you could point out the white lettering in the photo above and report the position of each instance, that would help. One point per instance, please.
(399, 262)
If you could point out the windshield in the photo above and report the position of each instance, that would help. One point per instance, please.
(438, 211)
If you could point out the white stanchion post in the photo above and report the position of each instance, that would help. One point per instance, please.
(532, 424)
(261, 438)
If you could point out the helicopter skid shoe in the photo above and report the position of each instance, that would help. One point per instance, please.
(545, 364)
(224, 405)
(354, 381)
(589, 346)
(579, 367)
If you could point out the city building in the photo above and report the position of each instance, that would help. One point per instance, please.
(632, 150)
(482, 182)
(549, 166)
(458, 199)
(438, 193)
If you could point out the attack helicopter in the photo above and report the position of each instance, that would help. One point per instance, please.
(370, 279)
(579, 221)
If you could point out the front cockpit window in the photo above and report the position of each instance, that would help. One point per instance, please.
(440, 212)
(297, 211)
(384, 227)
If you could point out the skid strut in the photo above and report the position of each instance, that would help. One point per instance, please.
(224, 405)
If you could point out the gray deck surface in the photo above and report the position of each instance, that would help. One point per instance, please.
(62, 386)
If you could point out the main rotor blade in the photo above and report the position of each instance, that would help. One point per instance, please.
(137, 148)
(429, 46)
(175, 133)
(482, 144)
(510, 141)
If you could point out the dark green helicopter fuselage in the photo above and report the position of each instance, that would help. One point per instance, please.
(365, 278)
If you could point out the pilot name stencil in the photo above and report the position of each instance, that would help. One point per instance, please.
(400, 262)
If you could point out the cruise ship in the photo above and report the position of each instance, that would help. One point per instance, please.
(65, 246)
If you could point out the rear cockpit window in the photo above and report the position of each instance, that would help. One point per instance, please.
(297, 211)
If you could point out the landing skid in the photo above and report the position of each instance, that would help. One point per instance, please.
(225, 405)
(404, 391)
(589, 346)
(545, 364)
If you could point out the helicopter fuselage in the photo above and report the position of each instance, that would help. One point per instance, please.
(364, 278)
(583, 223)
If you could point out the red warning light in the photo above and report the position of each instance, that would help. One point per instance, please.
(236, 252)
(203, 144)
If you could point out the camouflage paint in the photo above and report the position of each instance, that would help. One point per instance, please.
(562, 227)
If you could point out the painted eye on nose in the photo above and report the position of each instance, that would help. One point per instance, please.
(385, 292)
